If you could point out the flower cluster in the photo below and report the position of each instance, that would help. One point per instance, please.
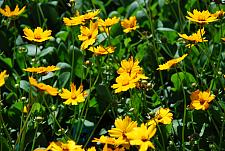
(127, 133)
(129, 74)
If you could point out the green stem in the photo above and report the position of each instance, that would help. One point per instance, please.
(164, 148)
(96, 125)
(72, 68)
(34, 139)
(217, 130)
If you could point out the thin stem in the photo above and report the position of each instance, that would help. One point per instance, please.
(164, 148)
(72, 68)
(34, 139)
(96, 125)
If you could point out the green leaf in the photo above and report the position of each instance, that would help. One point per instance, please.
(46, 51)
(3, 141)
(161, 3)
(182, 77)
(25, 85)
(104, 93)
(63, 79)
(62, 35)
(32, 50)
(7, 61)
(63, 65)
(36, 107)
(127, 41)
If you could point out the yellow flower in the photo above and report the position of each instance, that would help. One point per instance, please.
(105, 29)
(141, 136)
(200, 100)
(129, 66)
(203, 17)
(73, 21)
(109, 141)
(60, 146)
(218, 14)
(125, 82)
(38, 35)
(195, 37)
(3, 75)
(91, 15)
(163, 116)
(223, 39)
(88, 35)
(43, 87)
(91, 149)
(8, 13)
(129, 24)
(100, 50)
(75, 96)
(108, 22)
(170, 63)
(122, 127)
(42, 69)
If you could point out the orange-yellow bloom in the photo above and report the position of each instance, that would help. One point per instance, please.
(218, 14)
(74, 96)
(163, 115)
(91, 15)
(129, 66)
(170, 63)
(108, 22)
(202, 18)
(141, 136)
(38, 35)
(129, 24)
(43, 87)
(100, 50)
(109, 141)
(73, 21)
(8, 13)
(88, 35)
(3, 75)
(42, 69)
(122, 127)
(195, 37)
(200, 100)
(60, 146)
(125, 82)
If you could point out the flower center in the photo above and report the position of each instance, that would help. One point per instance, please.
(73, 96)
(37, 36)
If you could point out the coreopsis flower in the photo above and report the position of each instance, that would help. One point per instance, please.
(3, 75)
(202, 18)
(73, 21)
(141, 136)
(91, 15)
(223, 39)
(60, 146)
(9, 13)
(91, 149)
(129, 24)
(38, 35)
(122, 127)
(129, 66)
(218, 13)
(200, 100)
(88, 35)
(163, 115)
(100, 50)
(194, 38)
(109, 141)
(74, 96)
(108, 22)
(125, 82)
(42, 69)
(43, 87)
(171, 62)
